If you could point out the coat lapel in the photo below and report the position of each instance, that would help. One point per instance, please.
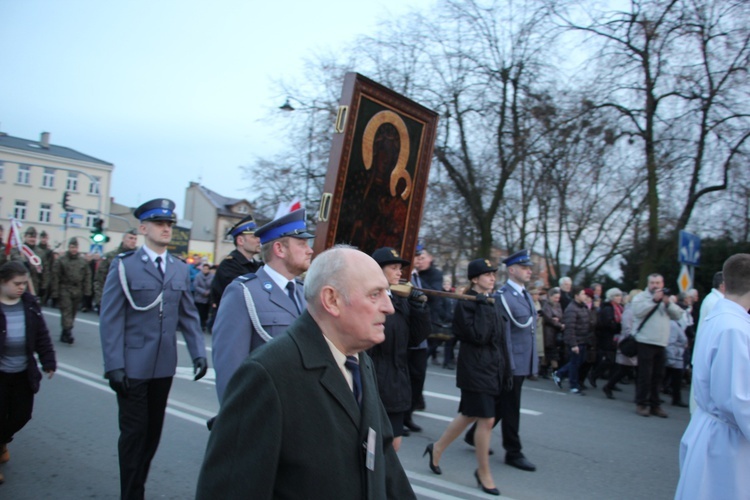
(317, 356)
(148, 266)
(276, 294)
(171, 268)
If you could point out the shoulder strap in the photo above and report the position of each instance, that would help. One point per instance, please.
(650, 313)
(126, 291)
(254, 314)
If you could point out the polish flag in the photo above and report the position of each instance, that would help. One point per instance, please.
(285, 208)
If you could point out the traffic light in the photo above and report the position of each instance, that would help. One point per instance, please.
(97, 234)
(66, 201)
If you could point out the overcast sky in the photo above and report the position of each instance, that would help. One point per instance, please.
(170, 91)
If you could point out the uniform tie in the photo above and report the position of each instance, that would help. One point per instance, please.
(290, 292)
(353, 366)
(158, 266)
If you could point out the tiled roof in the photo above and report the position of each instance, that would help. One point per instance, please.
(11, 142)
(222, 203)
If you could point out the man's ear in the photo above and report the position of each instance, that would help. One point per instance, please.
(142, 228)
(330, 300)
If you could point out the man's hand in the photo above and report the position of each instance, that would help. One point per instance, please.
(200, 367)
(417, 299)
(481, 298)
(659, 295)
(118, 381)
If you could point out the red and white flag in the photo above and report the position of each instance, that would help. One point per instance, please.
(285, 208)
(14, 240)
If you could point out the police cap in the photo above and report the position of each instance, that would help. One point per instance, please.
(477, 267)
(521, 258)
(158, 209)
(387, 255)
(245, 226)
(291, 224)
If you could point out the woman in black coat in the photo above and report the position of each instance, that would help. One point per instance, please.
(23, 332)
(484, 367)
(406, 327)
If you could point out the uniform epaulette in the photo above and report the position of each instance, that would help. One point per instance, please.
(246, 277)
(228, 257)
(126, 254)
(501, 290)
(179, 258)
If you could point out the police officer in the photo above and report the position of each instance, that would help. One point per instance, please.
(71, 280)
(240, 261)
(146, 299)
(518, 314)
(259, 306)
(129, 242)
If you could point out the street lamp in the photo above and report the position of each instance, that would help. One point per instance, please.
(287, 106)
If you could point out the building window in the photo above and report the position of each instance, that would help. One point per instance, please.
(19, 211)
(2, 170)
(72, 184)
(24, 174)
(90, 218)
(45, 212)
(94, 186)
(48, 179)
(242, 209)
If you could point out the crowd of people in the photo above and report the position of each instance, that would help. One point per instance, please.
(346, 325)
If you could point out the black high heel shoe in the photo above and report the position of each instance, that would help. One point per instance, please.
(491, 491)
(434, 468)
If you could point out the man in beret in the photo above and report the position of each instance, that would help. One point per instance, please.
(259, 306)
(71, 280)
(146, 299)
(240, 261)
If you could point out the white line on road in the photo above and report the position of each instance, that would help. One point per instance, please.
(441, 483)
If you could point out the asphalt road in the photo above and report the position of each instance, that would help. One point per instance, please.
(584, 447)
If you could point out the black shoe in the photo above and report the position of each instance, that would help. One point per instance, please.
(520, 463)
(592, 381)
(491, 491)
(409, 424)
(616, 389)
(434, 468)
(608, 392)
(66, 337)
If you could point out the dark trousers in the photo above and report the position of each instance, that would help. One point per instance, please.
(571, 369)
(651, 359)
(203, 310)
(417, 372)
(604, 366)
(16, 404)
(619, 372)
(674, 379)
(141, 419)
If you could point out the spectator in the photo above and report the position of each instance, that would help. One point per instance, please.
(578, 333)
(623, 364)
(652, 310)
(675, 363)
(202, 293)
(553, 327)
(566, 296)
(608, 325)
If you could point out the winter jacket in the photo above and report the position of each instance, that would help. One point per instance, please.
(552, 317)
(607, 327)
(579, 324)
(37, 340)
(655, 329)
(406, 327)
(484, 363)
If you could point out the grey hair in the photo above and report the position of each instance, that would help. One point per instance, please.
(554, 291)
(327, 269)
(612, 292)
(565, 279)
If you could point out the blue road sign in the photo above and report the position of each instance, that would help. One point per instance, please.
(689, 251)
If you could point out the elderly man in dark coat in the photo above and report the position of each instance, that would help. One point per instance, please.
(302, 418)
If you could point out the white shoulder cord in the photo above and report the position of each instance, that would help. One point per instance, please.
(124, 283)
(254, 315)
(510, 314)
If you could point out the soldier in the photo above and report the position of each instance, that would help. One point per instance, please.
(48, 258)
(129, 242)
(146, 298)
(3, 258)
(240, 261)
(518, 315)
(71, 280)
(35, 272)
(257, 307)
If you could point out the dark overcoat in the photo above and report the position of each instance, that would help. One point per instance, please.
(290, 428)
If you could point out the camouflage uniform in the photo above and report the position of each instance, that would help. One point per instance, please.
(48, 259)
(101, 272)
(71, 280)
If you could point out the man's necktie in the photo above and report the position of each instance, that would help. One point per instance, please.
(352, 364)
(158, 266)
(290, 292)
